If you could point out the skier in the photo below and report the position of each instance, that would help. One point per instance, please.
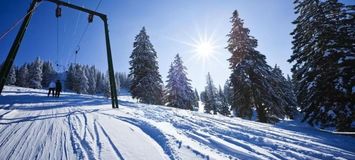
(51, 88)
(58, 88)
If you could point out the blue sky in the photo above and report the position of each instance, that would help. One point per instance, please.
(170, 24)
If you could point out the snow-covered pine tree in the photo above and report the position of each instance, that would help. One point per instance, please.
(250, 77)
(179, 93)
(324, 58)
(69, 82)
(203, 96)
(107, 88)
(22, 76)
(80, 83)
(223, 107)
(35, 74)
(284, 89)
(100, 82)
(124, 80)
(118, 83)
(146, 85)
(75, 81)
(211, 98)
(196, 95)
(11, 79)
(91, 75)
(197, 98)
(48, 73)
(227, 91)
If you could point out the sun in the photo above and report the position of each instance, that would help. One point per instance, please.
(203, 45)
(204, 48)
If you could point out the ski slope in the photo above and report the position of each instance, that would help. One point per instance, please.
(34, 126)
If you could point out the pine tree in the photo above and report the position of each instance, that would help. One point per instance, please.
(324, 58)
(80, 82)
(124, 80)
(210, 96)
(223, 107)
(146, 85)
(250, 78)
(22, 76)
(48, 73)
(107, 88)
(100, 82)
(35, 74)
(179, 93)
(11, 79)
(203, 96)
(284, 89)
(69, 82)
(91, 75)
(196, 99)
(117, 81)
(227, 91)
(196, 95)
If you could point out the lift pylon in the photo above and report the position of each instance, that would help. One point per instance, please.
(17, 42)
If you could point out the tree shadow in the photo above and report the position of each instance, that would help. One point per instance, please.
(40, 101)
(45, 116)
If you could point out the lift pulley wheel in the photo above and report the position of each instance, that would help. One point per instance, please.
(58, 12)
(90, 18)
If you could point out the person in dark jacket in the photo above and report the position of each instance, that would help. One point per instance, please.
(51, 88)
(58, 88)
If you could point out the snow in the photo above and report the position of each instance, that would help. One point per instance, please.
(34, 126)
(331, 114)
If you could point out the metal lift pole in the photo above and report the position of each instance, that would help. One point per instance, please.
(110, 66)
(5, 69)
(108, 47)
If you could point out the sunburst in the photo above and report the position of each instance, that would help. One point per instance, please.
(204, 47)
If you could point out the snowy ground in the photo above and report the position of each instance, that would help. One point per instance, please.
(33, 126)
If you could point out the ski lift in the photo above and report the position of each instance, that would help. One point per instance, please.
(58, 11)
(77, 49)
(90, 18)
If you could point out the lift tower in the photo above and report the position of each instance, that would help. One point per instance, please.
(17, 42)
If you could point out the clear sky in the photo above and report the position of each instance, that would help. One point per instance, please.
(173, 26)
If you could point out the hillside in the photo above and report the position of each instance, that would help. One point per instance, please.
(34, 126)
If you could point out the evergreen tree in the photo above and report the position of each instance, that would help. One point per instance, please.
(285, 90)
(91, 75)
(48, 73)
(323, 53)
(197, 99)
(80, 82)
(11, 79)
(227, 91)
(223, 107)
(179, 93)
(210, 96)
(124, 80)
(107, 88)
(35, 74)
(100, 82)
(22, 76)
(117, 81)
(203, 96)
(196, 95)
(250, 78)
(146, 85)
(70, 77)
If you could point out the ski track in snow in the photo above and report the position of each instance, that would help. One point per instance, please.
(34, 126)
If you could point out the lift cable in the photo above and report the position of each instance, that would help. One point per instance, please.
(90, 18)
(58, 13)
(18, 22)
